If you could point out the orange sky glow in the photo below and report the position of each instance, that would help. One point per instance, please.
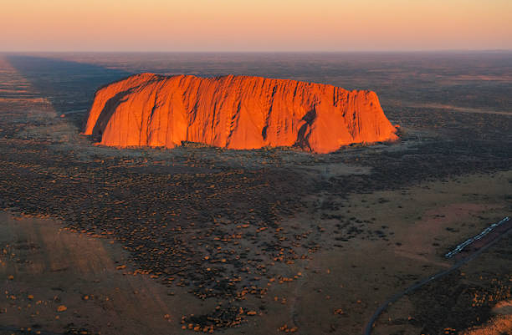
(263, 25)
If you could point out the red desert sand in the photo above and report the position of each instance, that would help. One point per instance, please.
(235, 112)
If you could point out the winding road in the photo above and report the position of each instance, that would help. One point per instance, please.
(370, 325)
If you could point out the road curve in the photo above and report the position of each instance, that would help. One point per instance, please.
(370, 325)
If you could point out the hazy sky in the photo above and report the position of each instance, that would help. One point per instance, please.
(247, 25)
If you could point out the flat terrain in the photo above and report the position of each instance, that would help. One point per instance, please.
(152, 241)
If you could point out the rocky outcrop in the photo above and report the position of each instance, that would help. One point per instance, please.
(235, 112)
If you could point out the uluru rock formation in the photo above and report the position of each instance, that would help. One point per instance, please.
(236, 112)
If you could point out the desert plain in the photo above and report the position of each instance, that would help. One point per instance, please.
(102, 240)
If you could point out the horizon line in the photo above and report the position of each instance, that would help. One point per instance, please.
(264, 51)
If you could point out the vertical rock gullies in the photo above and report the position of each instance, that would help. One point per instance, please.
(236, 112)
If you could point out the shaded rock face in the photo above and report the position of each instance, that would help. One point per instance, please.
(235, 112)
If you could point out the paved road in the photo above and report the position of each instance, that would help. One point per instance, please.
(370, 325)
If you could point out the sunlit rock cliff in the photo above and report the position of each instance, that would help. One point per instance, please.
(235, 112)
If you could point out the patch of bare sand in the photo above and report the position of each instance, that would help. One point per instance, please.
(53, 280)
(329, 170)
(500, 324)
(434, 225)
(341, 286)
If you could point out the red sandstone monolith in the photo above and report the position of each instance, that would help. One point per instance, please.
(235, 112)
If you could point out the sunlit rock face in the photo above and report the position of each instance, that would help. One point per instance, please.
(235, 112)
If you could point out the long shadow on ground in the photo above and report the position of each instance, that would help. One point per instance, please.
(69, 86)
